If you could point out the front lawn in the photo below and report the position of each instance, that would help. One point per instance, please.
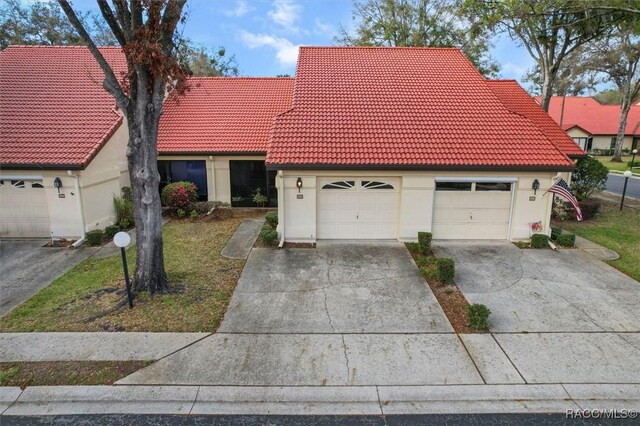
(86, 297)
(621, 167)
(616, 230)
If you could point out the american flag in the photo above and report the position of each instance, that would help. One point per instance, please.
(562, 189)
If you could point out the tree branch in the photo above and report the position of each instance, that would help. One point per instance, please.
(110, 83)
(108, 15)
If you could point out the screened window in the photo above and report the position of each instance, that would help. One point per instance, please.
(372, 184)
(453, 186)
(344, 184)
(613, 143)
(493, 186)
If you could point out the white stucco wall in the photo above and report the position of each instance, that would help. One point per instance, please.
(599, 141)
(415, 204)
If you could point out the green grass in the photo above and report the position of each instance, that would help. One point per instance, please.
(621, 167)
(86, 297)
(616, 230)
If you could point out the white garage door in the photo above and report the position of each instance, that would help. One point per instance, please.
(23, 209)
(358, 208)
(472, 210)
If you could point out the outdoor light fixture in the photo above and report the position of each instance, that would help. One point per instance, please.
(122, 240)
(626, 175)
(299, 184)
(535, 186)
(633, 159)
(57, 183)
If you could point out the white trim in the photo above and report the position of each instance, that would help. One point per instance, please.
(20, 177)
(475, 179)
(513, 198)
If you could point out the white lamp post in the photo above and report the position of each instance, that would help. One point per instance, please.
(633, 159)
(626, 175)
(122, 240)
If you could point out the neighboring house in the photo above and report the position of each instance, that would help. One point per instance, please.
(216, 136)
(381, 143)
(594, 126)
(57, 124)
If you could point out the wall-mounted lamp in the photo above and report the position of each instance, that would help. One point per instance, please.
(299, 184)
(57, 183)
(535, 186)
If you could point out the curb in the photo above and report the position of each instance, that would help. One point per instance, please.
(305, 400)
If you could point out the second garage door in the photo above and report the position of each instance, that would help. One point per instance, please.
(472, 210)
(358, 208)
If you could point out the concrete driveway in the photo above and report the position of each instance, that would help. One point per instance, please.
(543, 290)
(26, 267)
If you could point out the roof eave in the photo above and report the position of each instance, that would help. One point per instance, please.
(219, 153)
(420, 167)
(40, 166)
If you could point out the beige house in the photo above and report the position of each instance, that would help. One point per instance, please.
(381, 143)
(62, 143)
(594, 126)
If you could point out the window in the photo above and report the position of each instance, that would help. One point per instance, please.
(36, 185)
(453, 186)
(635, 143)
(17, 183)
(613, 142)
(371, 184)
(344, 184)
(493, 186)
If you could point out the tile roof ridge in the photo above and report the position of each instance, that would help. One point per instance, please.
(384, 47)
(229, 77)
(57, 46)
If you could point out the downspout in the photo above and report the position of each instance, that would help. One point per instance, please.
(81, 207)
(281, 195)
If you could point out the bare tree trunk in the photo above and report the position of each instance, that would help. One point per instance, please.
(624, 112)
(145, 181)
(547, 89)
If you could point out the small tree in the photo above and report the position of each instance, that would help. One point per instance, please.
(589, 176)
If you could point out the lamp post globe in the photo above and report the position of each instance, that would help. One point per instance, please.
(122, 239)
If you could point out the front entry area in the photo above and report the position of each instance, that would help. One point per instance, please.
(472, 210)
(358, 208)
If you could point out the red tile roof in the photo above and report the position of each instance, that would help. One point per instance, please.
(401, 107)
(53, 109)
(592, 116)
(223, 115)
(517, 100)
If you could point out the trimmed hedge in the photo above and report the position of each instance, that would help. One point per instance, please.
(478, 316)
(555, 232)
(539, 241)
(95, 237)
(424, 242)
(446, 270)
(111, 231)
(566, 240)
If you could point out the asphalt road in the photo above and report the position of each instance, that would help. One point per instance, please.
(615, 184)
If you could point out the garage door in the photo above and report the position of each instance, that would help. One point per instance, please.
(355, 208)
(472, 210)
(23, 209)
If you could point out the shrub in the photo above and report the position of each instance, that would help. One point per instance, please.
(111, 230)
(478, 316)
(127, 193)
(125, 224)
(566, 240)
(539, 241)
(445, 270)
(179, 194)
(590, 208)
(181, 213)
(272, 218)
(268, 235)
(632, 164)
(424, 242)
(95, 237)
(124, 208)
(559, 210)
(555, 232)
(259, 198)
(236, 200)
(194, 214)
(590, 175)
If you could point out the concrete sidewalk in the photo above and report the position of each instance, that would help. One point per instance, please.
(360, 400)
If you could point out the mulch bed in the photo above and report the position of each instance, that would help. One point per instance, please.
(60, 373)
(450, 298)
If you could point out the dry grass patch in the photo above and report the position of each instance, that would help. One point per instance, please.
(85, 298)
(60, 373)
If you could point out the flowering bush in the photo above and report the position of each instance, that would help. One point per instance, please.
(179, 194)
